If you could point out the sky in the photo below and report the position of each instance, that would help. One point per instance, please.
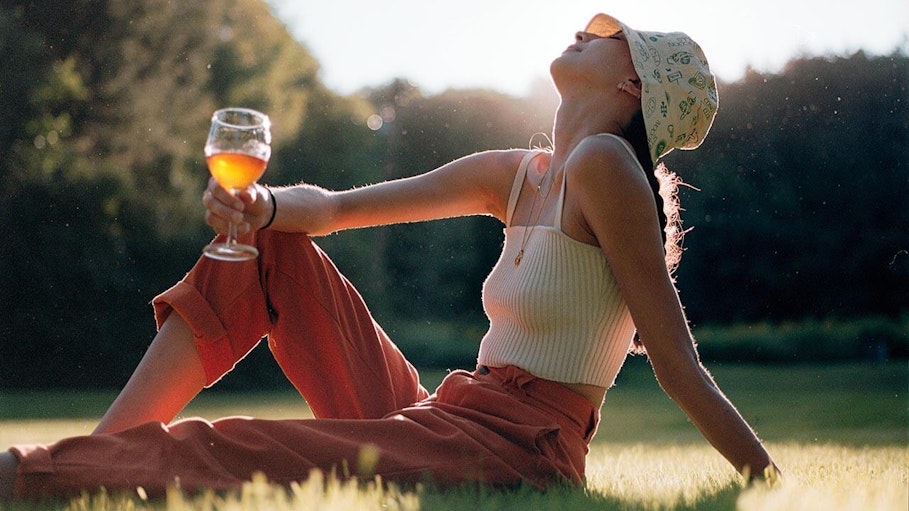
(507, 45)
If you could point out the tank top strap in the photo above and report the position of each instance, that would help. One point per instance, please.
(516, 186)
(557, 223)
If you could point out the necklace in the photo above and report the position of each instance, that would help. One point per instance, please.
(528, 230)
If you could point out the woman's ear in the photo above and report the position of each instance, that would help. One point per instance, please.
(632, 87)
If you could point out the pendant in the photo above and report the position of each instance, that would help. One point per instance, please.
(517, 260)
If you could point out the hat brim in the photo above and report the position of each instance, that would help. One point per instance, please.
(604, 25)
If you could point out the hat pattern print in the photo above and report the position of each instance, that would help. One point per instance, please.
(679, 97)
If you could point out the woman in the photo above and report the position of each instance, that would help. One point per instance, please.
(584, 265)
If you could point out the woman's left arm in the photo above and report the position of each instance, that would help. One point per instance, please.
(619, 210)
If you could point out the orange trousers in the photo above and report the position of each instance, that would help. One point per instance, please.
(494, 425)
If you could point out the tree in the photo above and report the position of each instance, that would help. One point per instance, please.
(803, 202)
(802, 208)
(101, 165)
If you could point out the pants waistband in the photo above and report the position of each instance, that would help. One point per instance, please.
(571, 410)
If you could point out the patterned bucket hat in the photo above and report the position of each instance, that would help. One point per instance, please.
(679, 96)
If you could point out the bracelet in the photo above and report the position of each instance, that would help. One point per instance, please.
(274, 209)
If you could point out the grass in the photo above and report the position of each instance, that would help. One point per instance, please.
(838, 431)
(849, 403)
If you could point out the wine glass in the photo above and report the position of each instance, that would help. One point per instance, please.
(236, 152)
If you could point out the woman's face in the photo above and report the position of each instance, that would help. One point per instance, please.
(600, 61)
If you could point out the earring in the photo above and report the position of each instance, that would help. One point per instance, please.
(624, 87)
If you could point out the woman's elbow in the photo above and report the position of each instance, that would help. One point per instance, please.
(681, 375)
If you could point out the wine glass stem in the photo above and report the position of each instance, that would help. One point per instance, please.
(232, 227)
(232, 234)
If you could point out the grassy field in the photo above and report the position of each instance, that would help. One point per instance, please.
(838, 431)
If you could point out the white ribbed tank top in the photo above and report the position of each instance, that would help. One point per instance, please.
(559, 314)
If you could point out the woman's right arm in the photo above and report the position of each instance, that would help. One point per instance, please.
(477, 184)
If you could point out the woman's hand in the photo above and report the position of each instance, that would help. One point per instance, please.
(771, 476)
(250, 209)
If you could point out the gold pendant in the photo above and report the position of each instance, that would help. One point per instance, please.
(517, 260)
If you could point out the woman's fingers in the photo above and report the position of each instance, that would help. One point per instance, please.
(222, 207)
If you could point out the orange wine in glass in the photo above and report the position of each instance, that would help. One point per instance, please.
(237, 152)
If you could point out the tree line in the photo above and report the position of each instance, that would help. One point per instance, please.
(797, 202)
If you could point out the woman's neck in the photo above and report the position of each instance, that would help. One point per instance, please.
(580, 117)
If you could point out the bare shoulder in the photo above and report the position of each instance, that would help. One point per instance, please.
(494, 171)
(498, 164)
(600, 159)
(612, 197)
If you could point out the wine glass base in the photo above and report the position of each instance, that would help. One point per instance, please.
(230, 252)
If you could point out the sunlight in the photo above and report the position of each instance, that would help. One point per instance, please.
(507, 45)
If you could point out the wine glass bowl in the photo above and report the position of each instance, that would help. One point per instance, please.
(236, 152)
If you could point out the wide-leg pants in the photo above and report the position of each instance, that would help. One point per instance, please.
(493, 425)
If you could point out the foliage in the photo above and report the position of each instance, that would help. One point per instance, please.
(441, 344)
(435, 269)
(802, 209)
(101, 169)
(870, 338)
(803, 205)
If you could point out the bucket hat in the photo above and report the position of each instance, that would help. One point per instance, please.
(678, 92)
